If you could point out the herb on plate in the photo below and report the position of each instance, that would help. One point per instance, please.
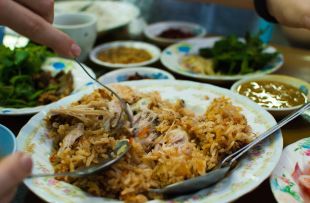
(24, 84)
(232, 56)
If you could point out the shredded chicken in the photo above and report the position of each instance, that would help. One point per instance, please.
(71, 137)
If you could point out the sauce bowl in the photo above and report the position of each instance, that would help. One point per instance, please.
(300, 85)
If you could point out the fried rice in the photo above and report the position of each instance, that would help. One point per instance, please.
(171, 143)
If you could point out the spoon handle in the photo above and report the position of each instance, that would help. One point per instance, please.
(233, 157)
(124, 105)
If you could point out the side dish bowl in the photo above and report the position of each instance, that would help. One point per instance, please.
(138, 73)
(298, 84)
(154, 31)
(153, 51)
(7, 141)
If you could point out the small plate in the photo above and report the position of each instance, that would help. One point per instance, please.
(284, 186)
(153, 50)
(295, 82)
(110, 14)
(153, 31)
(54, 65)
(122, 75)
(171, 58)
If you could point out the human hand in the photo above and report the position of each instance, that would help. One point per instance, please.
(13, 169)
(292, 13)
(33, 19)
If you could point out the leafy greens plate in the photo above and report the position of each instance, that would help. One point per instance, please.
(247, 175)
(55, 65)
(173, 55)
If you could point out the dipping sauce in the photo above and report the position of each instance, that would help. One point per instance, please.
(174, 33)
(124, 55)
(272, 94)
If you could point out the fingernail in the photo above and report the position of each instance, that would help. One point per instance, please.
(26, 161)
(75, 50)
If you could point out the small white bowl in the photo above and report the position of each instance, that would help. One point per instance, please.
(153, 31)
(153, 50)
(122, 75)
(295, 82)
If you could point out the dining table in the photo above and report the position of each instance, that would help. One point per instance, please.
(297, 64)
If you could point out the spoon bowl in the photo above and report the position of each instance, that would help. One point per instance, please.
(120, 149)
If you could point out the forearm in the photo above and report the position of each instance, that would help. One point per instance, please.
(247, 4)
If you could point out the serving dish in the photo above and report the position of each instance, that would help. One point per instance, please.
(153, 31)
(110, 14)
(138, 73)
(172, 57)
(152, 50)
(299, 84)
(283, 181)
(55, 65)
(7, 141)
(254, 168)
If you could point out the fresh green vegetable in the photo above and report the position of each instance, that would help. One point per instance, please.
(232, 56)
(17, 68)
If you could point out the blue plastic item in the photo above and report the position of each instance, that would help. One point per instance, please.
(7, 141)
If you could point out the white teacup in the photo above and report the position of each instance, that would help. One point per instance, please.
(81, 27)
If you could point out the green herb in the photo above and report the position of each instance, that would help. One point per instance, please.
(232, 56)
(17, 67)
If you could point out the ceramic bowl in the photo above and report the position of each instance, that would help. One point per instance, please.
(303, 86)
(7, 141)
(122, 75)
(153, 31)
(81, 27)
(153, 50)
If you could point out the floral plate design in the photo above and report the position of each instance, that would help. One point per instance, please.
(248, 174)
(284, 185)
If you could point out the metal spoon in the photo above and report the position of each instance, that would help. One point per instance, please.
(124, 105)
(219, 173)
(88, 5)
(120, 149)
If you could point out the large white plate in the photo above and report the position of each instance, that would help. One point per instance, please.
(55, 65)
(250, 172)
(283, 185)
(110, 14)
(172, 56)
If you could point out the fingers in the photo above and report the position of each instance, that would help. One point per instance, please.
(13, 170)
(44, 8)
(292, 13)
(36, 28)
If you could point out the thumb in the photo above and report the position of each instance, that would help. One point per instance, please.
(13, 170)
